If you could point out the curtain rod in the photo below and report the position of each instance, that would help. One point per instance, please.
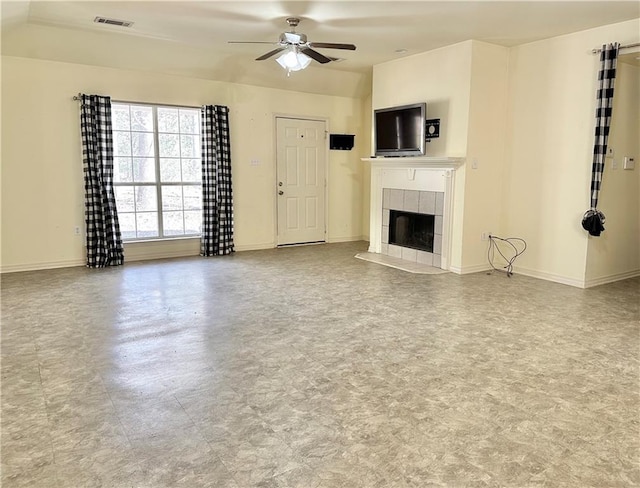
(599, 50)
(78, 97)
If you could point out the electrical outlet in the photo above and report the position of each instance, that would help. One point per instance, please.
(610, 152)
(76, 230)
(485, 236)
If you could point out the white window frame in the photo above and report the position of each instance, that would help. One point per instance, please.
(158, 184)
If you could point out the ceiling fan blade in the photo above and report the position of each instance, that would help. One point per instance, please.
(270, 53)
(320, 58)
(251, 42)
(332, 45)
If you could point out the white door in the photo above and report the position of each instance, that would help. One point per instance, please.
(301, 152)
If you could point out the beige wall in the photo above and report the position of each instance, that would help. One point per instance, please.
(365, 152)
(616, 253)
(440, 78)
(42, 185)
(485, 163)
(552, 87)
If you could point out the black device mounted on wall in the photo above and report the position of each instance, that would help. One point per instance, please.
(432, 129)
(341, 142)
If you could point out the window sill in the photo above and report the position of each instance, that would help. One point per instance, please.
(156, 241)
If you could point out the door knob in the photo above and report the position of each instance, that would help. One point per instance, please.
(280, 192)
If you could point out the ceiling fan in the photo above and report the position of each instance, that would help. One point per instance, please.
(296, 51)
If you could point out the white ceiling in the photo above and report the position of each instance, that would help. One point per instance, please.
(377, 28)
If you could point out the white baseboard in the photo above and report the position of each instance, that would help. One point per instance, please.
(477, 268)
(255, 247)
(603, 280)
(17, 268)
(542, 275)
(564, 280)
(523, 271)
(334, 240)
(139, 251)
(272, 245)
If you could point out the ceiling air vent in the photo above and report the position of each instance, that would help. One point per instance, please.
(119, 23)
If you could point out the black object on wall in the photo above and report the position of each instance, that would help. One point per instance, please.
(432, 129)
(341, 142)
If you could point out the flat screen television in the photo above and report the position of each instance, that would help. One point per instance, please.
(399, 131)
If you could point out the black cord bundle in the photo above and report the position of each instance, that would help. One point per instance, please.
(493, 247)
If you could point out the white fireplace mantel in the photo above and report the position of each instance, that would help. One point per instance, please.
(416, 162)
(413, 173)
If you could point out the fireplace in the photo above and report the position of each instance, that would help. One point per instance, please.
(412, 225)
(412, 230)
(420, 185)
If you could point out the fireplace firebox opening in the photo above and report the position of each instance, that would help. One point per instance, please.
(413, 230)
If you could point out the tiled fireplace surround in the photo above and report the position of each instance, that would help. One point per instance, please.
(422, 202)
(419, 185)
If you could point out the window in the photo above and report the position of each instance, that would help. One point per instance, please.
(157, 170)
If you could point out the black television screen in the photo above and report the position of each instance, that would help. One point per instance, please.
(399, 131)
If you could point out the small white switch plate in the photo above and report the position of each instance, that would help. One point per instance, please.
(474, 163)
(610, 152)
(255, 162)
(629, 163)
(614, 164)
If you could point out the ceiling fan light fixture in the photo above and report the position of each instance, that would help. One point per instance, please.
(293, 60)
(294, 53)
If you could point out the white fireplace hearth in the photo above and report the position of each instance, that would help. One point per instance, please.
(419, 185)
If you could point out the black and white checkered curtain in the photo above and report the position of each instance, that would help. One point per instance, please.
(217, 199)
(104, 242)
(606, 79)
(593, 219)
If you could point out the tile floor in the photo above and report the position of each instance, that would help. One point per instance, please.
(305, 367)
